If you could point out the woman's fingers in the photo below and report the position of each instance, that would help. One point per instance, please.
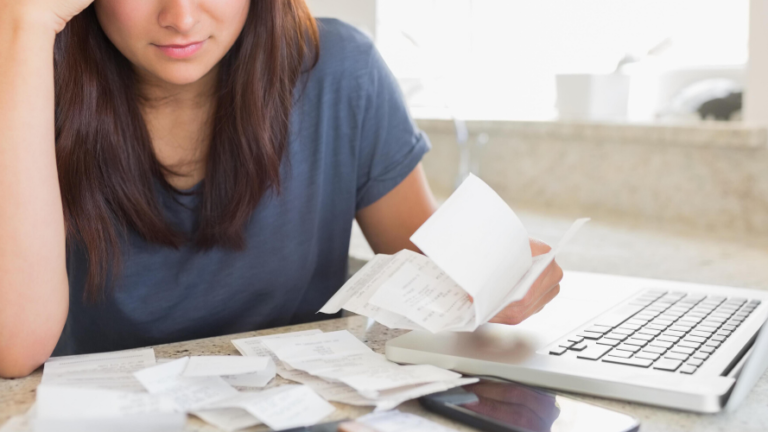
(546, 287)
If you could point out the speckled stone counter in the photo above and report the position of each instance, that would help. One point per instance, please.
(16, 396)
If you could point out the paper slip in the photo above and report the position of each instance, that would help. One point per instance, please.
(342, 393)
(396, 421)
(17, 424)
(201, 366)
(64, 408)
(65, 402)
(340, 356)
(189, 393)
(329, 390)
(235, 370)
(228, 419)
(113, 370)
(389, 399)
(282, 407)
(257, 379)
(253, 347)
(475, 246)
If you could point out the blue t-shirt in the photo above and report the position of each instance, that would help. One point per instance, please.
(351, 142)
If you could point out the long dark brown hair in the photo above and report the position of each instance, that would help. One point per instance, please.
(107, 167)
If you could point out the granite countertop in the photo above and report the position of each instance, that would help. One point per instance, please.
(16, 396)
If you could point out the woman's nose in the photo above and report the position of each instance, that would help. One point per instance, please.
(179, 15)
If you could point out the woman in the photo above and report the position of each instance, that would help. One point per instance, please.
(189, 168)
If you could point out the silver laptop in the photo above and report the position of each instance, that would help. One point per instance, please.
(678, 345)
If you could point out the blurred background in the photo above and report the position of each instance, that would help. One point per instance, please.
(650, 116)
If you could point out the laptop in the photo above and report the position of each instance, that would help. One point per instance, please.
(679, 345)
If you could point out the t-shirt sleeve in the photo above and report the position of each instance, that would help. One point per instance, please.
(391, 145)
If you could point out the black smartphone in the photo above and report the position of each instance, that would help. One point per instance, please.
(504, 406)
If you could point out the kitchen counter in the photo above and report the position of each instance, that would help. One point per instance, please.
(16, 396)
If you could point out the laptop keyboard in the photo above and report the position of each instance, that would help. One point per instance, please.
(667, 331)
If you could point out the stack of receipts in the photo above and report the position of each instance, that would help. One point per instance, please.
(130, 390)
(478, 261)
(340, 368)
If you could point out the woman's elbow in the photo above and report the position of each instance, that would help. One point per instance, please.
(18, 366)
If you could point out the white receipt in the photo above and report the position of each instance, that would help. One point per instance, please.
(200, 366)
(283, 407)
(478, 260)
(113, 370)
(339, 357)
(373, 381)
(66, 402)
(396, 421)
(329, 390)
(228, 419)
(256, 379)
(65, 408)
(188, 393)
(254, 346)
(17, 424)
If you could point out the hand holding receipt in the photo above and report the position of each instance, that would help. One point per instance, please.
(478, 261)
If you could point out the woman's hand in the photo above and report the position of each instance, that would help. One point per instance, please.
(56, 13)
(542, 292)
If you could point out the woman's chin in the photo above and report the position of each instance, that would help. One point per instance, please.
(180, 75)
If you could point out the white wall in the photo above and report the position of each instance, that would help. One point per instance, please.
(756, 91)
(360, 13)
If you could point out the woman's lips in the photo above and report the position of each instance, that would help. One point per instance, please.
(181, 51)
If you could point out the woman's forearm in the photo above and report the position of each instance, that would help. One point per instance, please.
(34, 295)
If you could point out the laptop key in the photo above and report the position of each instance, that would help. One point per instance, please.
(618, 316)
(663, 322)
(594, 352)
(630, 326)
(713, 344)
(688, 344)
(683, 350)
(655, 350)
(625, 347)
(558, 350)
(676, 356)
(576, 339)
(615, 336)
(609, 342)
(729, 327)
(700, 356)
(628, 361)
(579, 347)
(598, 329)
(643, 336)
(688, 369)
(696, 339)
(706, 349)
(647, 355)
(566, 344)
(650, 332)
(700, 334)
(706, 328)
(718, 338)
(662, 344)
(620, 353)
(676, 333)
(658, 327)
(695, 362)
(591, 336)
(636, 342)
(667, 364)
(665, 338)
